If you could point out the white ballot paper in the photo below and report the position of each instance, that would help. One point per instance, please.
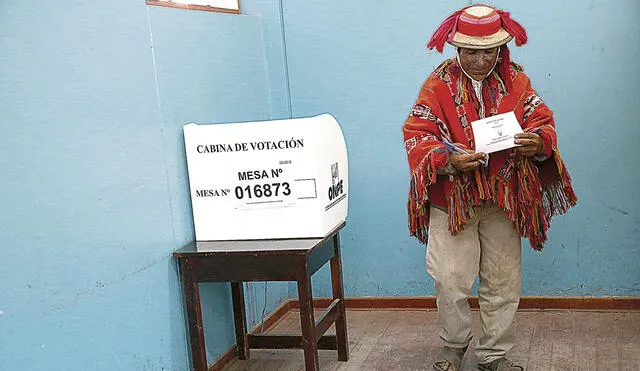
(496, 133)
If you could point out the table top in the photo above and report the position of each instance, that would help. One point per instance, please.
(292, 245)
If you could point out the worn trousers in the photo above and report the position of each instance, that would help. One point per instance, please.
(489, 247)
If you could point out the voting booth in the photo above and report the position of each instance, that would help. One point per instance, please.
(267, 180)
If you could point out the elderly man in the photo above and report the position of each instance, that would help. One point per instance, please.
(473, 208)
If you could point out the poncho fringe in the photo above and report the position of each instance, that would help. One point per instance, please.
(529, 216)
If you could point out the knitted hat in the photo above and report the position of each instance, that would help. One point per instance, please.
(478, 26)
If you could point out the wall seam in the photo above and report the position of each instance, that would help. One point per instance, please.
(266, 68)
(285, 58)
(162, 129)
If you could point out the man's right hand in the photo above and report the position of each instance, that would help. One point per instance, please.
(467, 162)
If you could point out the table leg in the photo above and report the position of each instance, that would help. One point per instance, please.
(307, 321)
(194, 316)
(338, 293)
(237, 294)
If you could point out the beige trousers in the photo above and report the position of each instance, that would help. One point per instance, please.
(488, 247)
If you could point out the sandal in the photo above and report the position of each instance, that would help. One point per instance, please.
(449, 359)
(500, 364)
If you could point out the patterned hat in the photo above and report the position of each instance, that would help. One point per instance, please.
(478, 26)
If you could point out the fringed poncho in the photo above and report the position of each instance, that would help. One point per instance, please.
(530, 192)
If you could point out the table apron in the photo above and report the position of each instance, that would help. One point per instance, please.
(248, 268)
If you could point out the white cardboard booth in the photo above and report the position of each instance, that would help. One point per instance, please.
(268, 179)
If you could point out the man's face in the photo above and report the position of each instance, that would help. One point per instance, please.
(478, 62)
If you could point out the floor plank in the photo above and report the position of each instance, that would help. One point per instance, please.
(562, 340)
(585, 338)
(541, 347)
(628, 329)
(605, 329)
(408, 340)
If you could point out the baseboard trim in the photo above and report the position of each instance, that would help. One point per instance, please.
(526, 303)
(225, 359)
(270, 320)
(273, 318)
(429, 302)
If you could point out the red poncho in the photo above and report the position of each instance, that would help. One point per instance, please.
(529, 192)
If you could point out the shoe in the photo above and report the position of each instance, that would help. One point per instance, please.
(500, 364)
(449, 359)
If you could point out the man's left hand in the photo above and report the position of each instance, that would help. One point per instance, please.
(530, 144)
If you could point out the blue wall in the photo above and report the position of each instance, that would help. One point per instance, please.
(366, 63)
(94, 193)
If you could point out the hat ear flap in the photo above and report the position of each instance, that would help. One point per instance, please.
(504, 67)
(513, 28)
(444, 30)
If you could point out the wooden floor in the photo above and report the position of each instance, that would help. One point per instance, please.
(406, 340)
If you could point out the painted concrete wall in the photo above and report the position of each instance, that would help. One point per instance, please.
(94, 191)
(212, 68)
(365, 63)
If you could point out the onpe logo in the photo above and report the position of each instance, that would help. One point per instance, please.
(337, 188)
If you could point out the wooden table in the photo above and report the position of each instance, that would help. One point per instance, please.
(267, 260)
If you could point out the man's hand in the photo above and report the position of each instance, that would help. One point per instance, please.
(531, 144)
(466, 162)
